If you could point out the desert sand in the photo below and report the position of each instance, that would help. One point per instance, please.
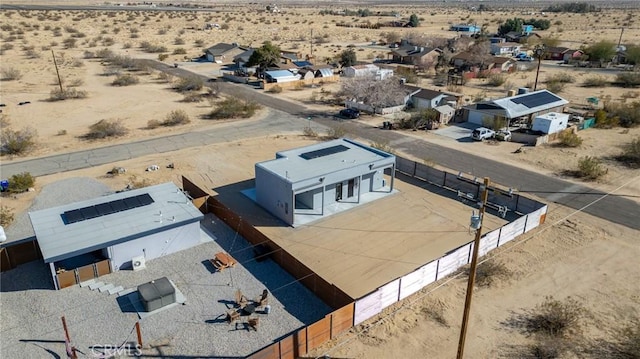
(577, 256)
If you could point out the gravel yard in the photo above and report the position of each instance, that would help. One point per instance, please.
(30, 310)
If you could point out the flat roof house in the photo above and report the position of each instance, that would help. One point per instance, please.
(148, 222)
(223, 52)
(308, 183)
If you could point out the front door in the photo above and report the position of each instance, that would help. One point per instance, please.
(338, 191)
(350, 186)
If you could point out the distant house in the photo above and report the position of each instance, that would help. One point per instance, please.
(302, 63)
(306, 73)
(360, 70)
(288, 56)
(280, 76)
(572, 55)
(519, 106)
(505, 48)
(555, 53)
(519, 37)
(425, 98)
(466, 61)
(223, 52)
(502, 64)
(322, 70)
(382, 74)
(465, 29)
(241, 59)
(414, 55)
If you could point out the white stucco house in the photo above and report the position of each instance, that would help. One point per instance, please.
(308, 183)
(360, 70)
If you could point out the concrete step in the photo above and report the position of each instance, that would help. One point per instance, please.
(115, 290)
(105, 287)
(126, 291)
(96, 285)
(87, 283)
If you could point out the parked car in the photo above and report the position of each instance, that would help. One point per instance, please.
(350, 113)
(482, 133)
(503, 135)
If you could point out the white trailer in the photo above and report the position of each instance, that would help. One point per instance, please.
(551, 122)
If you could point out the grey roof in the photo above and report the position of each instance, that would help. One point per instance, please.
(294, 168)
(428, 94)
(171, 208)
(326, 72)
(445, 109)
(244, 57)
(413, 50)
(221, 48)
(279, 74)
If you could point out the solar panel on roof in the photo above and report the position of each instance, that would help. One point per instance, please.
(73, 216)
(324, 152)
(118, 205)
(536, 99)
(103, 209)
(89, 212)
(132, 202)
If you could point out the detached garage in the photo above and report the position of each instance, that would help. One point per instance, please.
(86, 239)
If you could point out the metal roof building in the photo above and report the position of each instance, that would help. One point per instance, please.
(308, 180)
(148, 222)
(525, 104)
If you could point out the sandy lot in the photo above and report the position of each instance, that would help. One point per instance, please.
(587, 258)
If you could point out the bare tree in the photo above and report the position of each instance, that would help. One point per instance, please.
(377, 94)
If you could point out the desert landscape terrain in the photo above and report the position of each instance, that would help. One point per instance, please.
(572, 255)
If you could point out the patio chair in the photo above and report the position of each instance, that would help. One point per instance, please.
(261, 301)
(232, 315)
(241, 300)
(253, 323)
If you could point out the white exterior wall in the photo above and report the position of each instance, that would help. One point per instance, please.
(155, 245)
(274, 194)
(476, 117)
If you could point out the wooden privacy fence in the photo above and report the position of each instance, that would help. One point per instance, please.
(13, 254)
(84, 273)
(302, 341)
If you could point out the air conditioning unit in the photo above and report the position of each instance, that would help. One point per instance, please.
(138, 263)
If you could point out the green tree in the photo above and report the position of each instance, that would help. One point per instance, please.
(633, 55)
(514, 24)
(414, 21)
(347, 58)
(265, 56)
(602, 51)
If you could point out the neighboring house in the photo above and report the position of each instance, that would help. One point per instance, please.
(288, 56)
(223, 53)
(465, 29)
(145, 223)
(322, 70)
(289, 66)
(425, 98)
(280, 76)
(312, 182)
(519, 106)
(572, 55)
(302, 64)
(415, 55)
(383, 74)
(360, 70)
(515, 36)
(446, 113)
(503, 64)
(241, 60)
(505, 48)
(466, 61)
(555, 53)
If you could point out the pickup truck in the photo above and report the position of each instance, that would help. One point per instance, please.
(482, 133)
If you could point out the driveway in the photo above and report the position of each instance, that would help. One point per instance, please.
(460, 132)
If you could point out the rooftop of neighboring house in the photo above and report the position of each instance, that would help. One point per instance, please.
(221, 48)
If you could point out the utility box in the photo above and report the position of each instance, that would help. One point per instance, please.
(551, 122)
(157, 294)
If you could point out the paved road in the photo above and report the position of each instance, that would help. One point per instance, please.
(613, 208)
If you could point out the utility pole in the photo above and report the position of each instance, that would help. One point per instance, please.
(539, 51)
(312, 44)
(139, 333)
(472, 271)
(57, 73)
(620, 39)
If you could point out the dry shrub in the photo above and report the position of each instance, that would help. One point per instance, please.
(191, 83)
(234, 108)
(496, 80)
(595, 81)
(309, 132)
(179, 51)
(436, 310)
(21, 182)
(569, 139)
(66, 94)
(382, 146)
(6, 216)
(165, 77)
(106, 128)
(10, 74)
(176, 117)
(555, 318)
(491, 272)
(125, 80)
(547, 348)
(192, 97)
(275, 89)
(17, 142)
(336, 132)
(135, 183)
(631, 154)
(590, 168)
